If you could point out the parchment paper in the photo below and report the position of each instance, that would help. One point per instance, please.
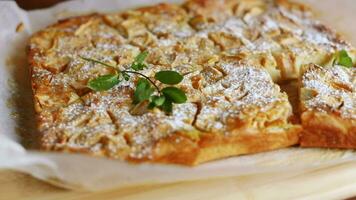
(89, 173)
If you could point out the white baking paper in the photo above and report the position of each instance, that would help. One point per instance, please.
(284, 168)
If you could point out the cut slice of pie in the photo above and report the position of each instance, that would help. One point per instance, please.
(328, 104)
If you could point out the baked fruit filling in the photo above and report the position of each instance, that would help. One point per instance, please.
(100, 81)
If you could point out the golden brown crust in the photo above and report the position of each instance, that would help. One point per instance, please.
(327, 130)
(213, 146)
(179, 149)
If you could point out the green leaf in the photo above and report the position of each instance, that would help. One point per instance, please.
(169, 77)
(141, 57)
(151, 105)
(143, 91)
(138, 62)
(174, 94)
(158, 100)
(344, 59)
(126, 76)
(167, 106)
(103, 83)
(138, 66)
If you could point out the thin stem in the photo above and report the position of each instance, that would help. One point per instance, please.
(146, 77)
(187, 73)
(97, 61)
(132, 72)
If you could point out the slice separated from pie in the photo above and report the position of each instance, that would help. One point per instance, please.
(328, 103)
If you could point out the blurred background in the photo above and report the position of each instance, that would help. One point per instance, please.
(34, 4)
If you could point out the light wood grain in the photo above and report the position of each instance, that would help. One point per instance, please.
(15, 185)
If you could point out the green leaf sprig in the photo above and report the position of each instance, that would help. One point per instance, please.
(342, 58)
(145, 87)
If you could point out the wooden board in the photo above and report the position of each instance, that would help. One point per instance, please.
(15, 185)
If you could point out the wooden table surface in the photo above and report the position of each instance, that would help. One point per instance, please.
(19, 186)
(15, 185)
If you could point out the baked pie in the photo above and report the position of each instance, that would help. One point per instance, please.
(232, 53)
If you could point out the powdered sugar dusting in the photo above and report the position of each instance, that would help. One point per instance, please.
(243, 87)
(333, 88)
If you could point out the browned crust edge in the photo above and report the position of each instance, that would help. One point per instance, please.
(327, 130)
(217, 146)
(179, 149)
